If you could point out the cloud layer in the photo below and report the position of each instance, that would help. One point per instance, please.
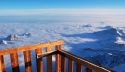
(20, 12)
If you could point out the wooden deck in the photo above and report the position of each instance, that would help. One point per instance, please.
(60, 57)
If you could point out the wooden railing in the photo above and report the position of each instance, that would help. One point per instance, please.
(60, 56)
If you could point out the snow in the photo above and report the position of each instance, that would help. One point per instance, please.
(3, 42)
(110, 54)
(120, 40)
(91, 37)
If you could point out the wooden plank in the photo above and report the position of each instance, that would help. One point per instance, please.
(48, 49)
(58, 60)
(14, 62)
(31, 47)
(49, 60)
(58, 63)
(39, 60)
(70, 65)
(83, 61)
(63, 64)
(27, 60)
(58, 47)
(78, 67)
(2, 65)
(47, 54)
(88, 70)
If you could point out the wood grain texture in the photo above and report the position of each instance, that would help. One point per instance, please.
(70, 65)
(58, 64)
(58, 47)
(2, 65)
(78, 67)
(39, 60)
(31, 47)
(14, 62)
(88, 70)
(58, 60)
(83, 61)
(49, 60)
(63, 64)
(27, 60)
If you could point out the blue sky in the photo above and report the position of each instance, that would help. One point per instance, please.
(43, 4)
(33, 7)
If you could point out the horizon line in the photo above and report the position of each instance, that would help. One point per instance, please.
(56, 11)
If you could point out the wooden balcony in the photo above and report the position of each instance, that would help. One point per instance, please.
(60, 57)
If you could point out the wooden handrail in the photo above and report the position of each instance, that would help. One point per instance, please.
(13, 52)
(47, 54)
(60, 57)
(85, 62)
(89, 65)
(32, 47)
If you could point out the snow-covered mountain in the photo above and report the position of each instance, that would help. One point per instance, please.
(109, 38)
(100, 43)
(106, 49)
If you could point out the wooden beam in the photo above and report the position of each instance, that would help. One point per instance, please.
(49, 60)
(63, 64)
(47, 54)
(84, 61)
(27, 59)
(88, 70)
(14, 62)
(39, 61)
(78, 67)
(2, 65)
(58, 60)
(58, 47)
(70, 65)
(31, 47)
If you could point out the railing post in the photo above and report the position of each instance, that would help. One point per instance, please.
(78, 67)
(39, 60)
(14, 62)
(2, 65)
(13, 52)
(27, 59)
(49, 60)
(58, 65)
(88, 69)
(70, 65)
(63, 64)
